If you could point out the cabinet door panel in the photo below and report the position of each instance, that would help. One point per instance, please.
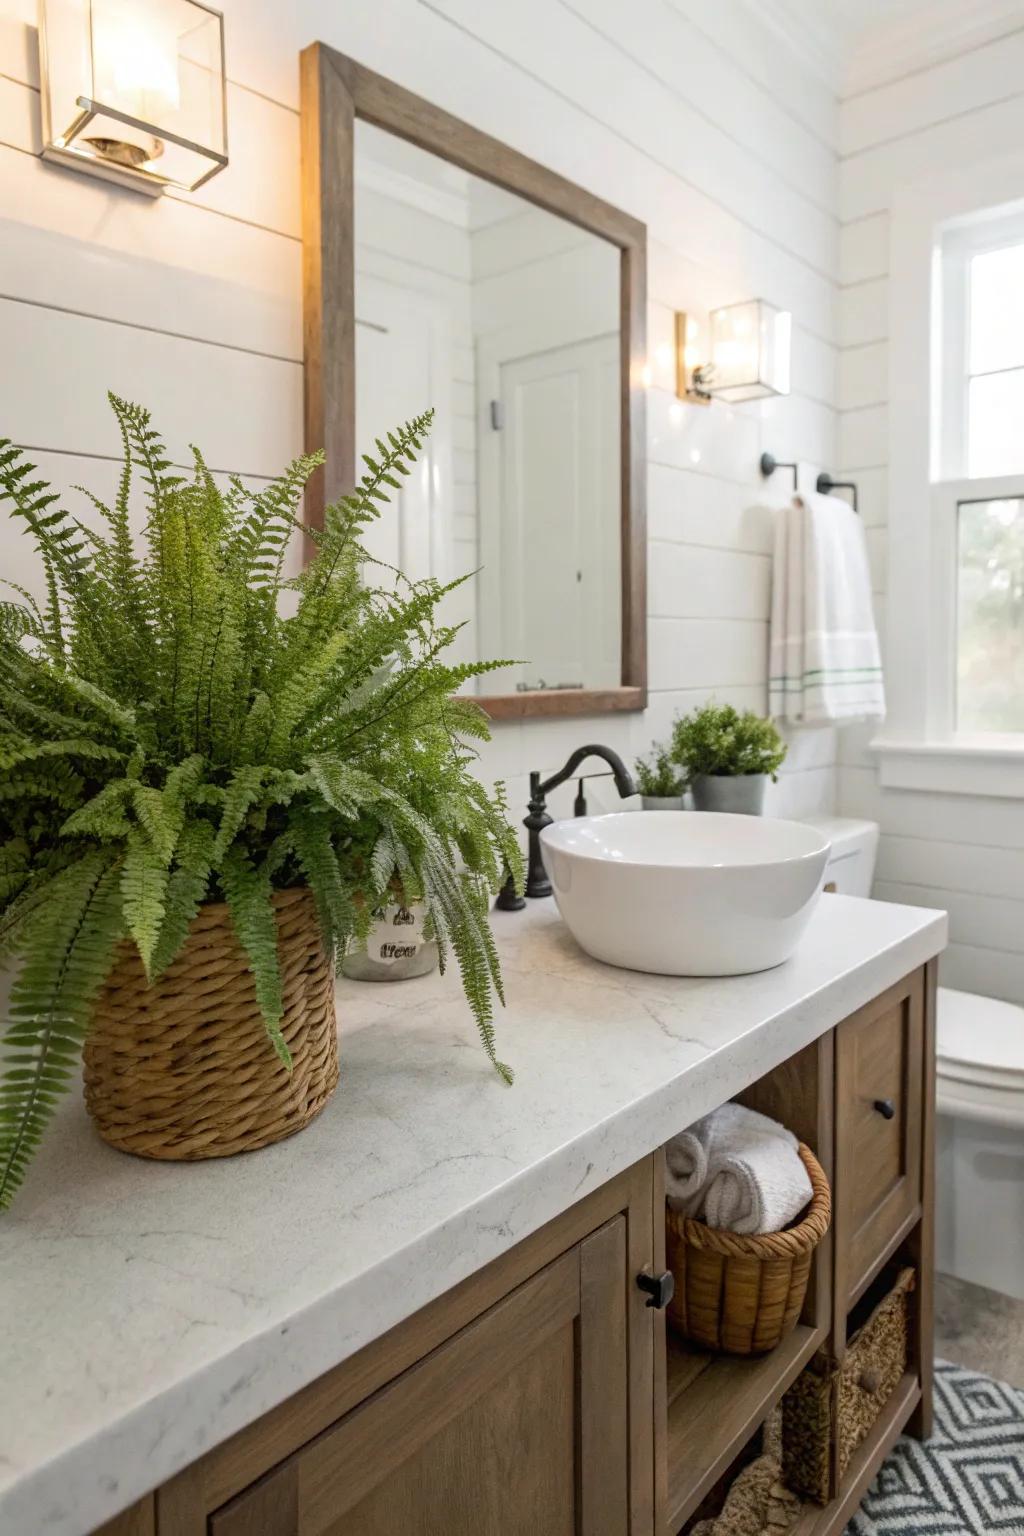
(505, 1464)
(879, 1084)
(269, 1508)
(517, 1426)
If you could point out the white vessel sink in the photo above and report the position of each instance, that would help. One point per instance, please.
(685, 893)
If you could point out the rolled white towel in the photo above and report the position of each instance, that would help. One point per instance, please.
(754, 1180)
(686, 1166)
(689, 1155)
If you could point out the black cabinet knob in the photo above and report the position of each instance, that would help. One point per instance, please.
(886, 1108)
(660, 1288)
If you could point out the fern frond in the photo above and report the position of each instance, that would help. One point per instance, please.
(156, 819)
(186, 887)
(144, 878)
(314, 847)
(240, 794)
(103, 815)
(26, 752)
(99, 703)
(67, 957)
(249, 893)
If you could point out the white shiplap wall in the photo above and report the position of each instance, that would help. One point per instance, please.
(698, 119)
(959, 852)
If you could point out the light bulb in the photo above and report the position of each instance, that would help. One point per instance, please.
(135, 57)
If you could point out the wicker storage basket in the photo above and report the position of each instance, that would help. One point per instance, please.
(184, 1069)
(742, 1295)
(841, 1403)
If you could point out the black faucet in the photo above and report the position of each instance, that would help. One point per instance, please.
(537, 882)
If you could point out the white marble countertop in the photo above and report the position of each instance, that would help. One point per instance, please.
(149, 1310)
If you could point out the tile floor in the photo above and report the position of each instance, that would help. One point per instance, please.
(980, 1329)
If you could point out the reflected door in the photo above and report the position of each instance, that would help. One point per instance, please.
(551, 535)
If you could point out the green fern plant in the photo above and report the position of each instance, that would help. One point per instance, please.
(168, 737)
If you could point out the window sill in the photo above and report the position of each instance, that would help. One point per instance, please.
(992, 766)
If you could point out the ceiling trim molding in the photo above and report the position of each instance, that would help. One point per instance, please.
(851, 57)
(923, 37)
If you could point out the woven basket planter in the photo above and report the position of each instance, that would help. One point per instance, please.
(184, 1069)
(830, 1403)
(742, 1295)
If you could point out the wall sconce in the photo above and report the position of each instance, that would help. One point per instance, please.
(134, 90)
(747, 356)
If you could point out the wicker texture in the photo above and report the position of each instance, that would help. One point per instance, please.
(844, 1401)
(757, 1503)
(743, 1295)
(184, 1069)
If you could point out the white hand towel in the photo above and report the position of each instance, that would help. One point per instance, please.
(754, 1180)
(824, 660)
(686, 1166)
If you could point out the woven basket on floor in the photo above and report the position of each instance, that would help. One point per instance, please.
(743, 1295)
(841, 1403)
(184, 1069)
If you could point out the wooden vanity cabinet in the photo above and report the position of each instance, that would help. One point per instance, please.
(520, 1404)
(541, 1396)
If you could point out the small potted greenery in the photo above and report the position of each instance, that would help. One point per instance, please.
(213, 776)
(728, 757)
(659, 780)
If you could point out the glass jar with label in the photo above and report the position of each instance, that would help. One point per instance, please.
(397, 947)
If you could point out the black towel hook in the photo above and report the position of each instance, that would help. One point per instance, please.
(824, 484)
(769, 464)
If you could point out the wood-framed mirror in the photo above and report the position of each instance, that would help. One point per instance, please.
(441, 267)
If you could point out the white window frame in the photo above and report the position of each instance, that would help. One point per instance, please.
(958, 244)
(919, 747)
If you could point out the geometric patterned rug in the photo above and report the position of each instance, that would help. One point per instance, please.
(969, 1477)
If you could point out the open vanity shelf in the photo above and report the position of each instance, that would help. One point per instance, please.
(860, 1097)
(714, 1404)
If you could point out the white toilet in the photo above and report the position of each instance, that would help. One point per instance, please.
(980, 1100)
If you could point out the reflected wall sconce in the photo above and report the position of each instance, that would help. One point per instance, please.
(134, 90)
(747, 356)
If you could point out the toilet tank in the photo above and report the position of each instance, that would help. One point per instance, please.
(851, 864)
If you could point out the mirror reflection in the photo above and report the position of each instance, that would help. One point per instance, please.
(504, 318)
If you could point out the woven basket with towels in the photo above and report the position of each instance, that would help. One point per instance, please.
(747, 1206)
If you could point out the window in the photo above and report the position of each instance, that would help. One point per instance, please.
(955, 479)
(978, 470)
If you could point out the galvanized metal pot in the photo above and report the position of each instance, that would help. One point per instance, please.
(742, 794)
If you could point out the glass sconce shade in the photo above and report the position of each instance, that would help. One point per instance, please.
(750, 351)
(133, 90)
